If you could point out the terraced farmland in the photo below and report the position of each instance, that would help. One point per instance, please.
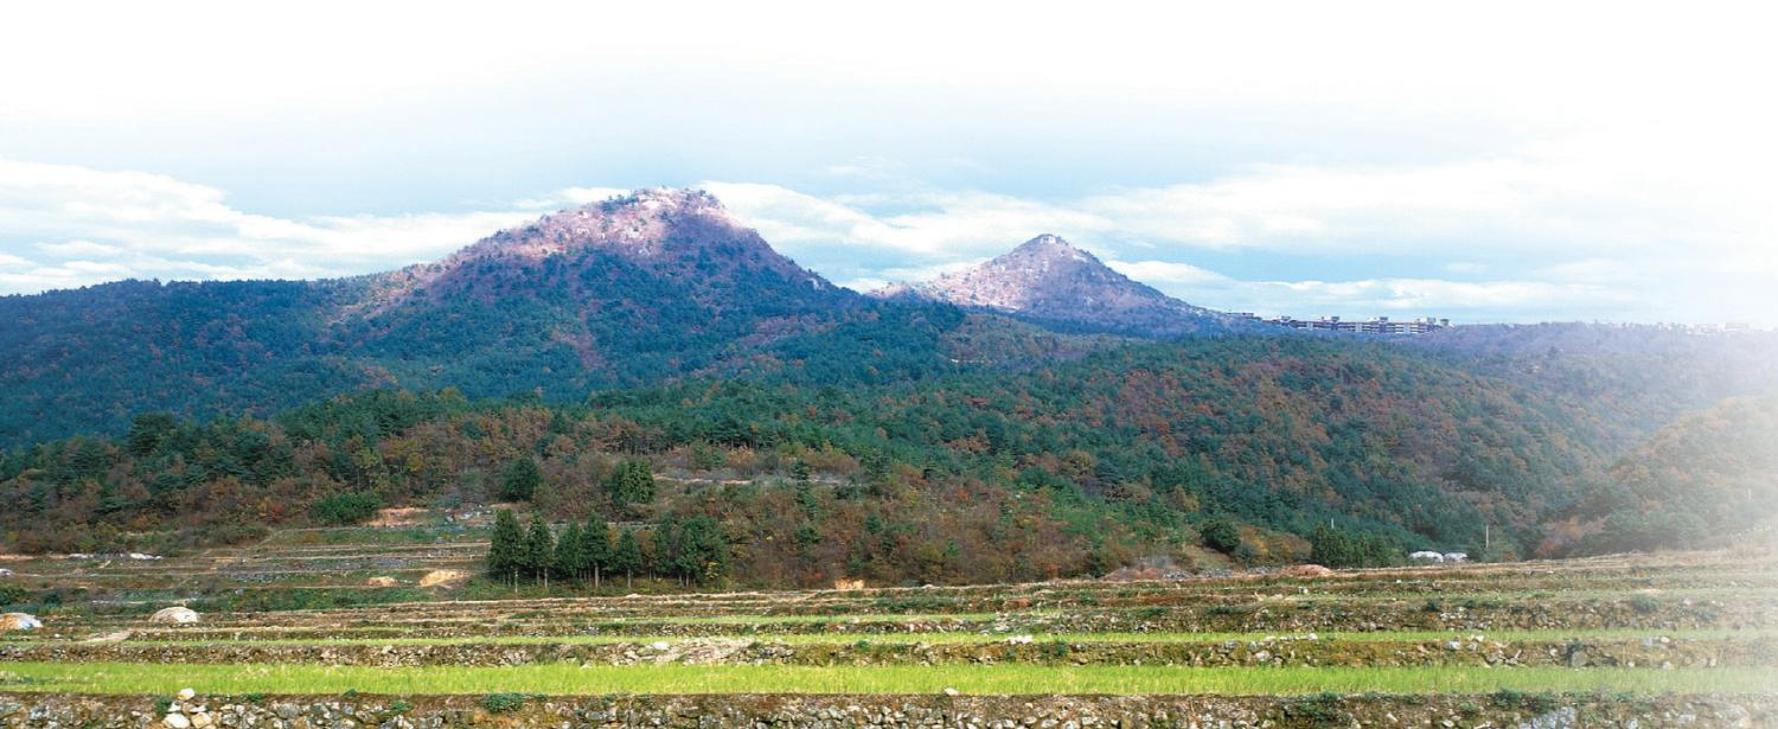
(1665, 640)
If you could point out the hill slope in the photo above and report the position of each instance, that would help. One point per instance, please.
(1115, 455)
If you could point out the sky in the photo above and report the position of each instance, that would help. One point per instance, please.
(1495, 162)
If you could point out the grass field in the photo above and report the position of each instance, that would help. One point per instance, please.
(943, 638)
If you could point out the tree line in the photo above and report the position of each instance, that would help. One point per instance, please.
(693, 551)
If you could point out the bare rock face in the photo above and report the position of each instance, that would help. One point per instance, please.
(1049, 280)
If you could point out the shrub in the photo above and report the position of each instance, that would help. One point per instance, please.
(1319, 710)
(1056, 649)
(503, 702)
(1644, 604)
(1221, 535)
(13, 595)
(345, 509)
(1540, 703)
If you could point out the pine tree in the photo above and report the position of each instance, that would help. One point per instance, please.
(570, 555)
(539, 550)
(506, 551)
(627, 558)
(631, 483)
(703, 550)
(596, 547)
(667, 552)
(520, 480)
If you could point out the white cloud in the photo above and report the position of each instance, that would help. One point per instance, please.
(73, 248)
(937, 225)
(1167, 272)
(570, 197)
(104, 225)
(1401, 294)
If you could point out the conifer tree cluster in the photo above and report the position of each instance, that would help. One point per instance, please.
(576, 554)
(631, 483)
(692, 551)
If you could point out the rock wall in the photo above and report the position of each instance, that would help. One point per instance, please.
(1470, 651)
(980, 712)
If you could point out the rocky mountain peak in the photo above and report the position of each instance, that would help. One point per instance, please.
(1049, 244)
(1050, 279)
(681, 234)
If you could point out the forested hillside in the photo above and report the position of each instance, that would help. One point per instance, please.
(1705, 480)
(1069, 468)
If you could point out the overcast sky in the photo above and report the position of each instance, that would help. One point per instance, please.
(1487, 162)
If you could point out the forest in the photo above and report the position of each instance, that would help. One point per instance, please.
(1248, 447)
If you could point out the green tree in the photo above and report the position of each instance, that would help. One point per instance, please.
(627, 557)
(1221, 535)
(596, 546)
(667, 554)
(148, 431)
(345, 509)
(703, 550)
(539, 550)
(507, 548)
(631, 483)
(570, 562)
(520, 480)
(1340, 548)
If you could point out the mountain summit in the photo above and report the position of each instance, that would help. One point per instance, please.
(683, 235)
(1049, 280)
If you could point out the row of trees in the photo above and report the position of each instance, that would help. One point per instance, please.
(692, 550)
(1341, 548)
(632, 483)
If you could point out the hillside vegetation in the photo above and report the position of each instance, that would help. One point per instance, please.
(1070, 468)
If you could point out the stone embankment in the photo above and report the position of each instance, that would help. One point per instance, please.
(18, 711)
(1474, 650)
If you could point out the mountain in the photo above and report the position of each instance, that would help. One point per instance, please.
(638, 289)
(660, 282)
(654, 325)
(1050, 281)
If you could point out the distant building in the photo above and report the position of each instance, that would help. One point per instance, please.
(1379, 325)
